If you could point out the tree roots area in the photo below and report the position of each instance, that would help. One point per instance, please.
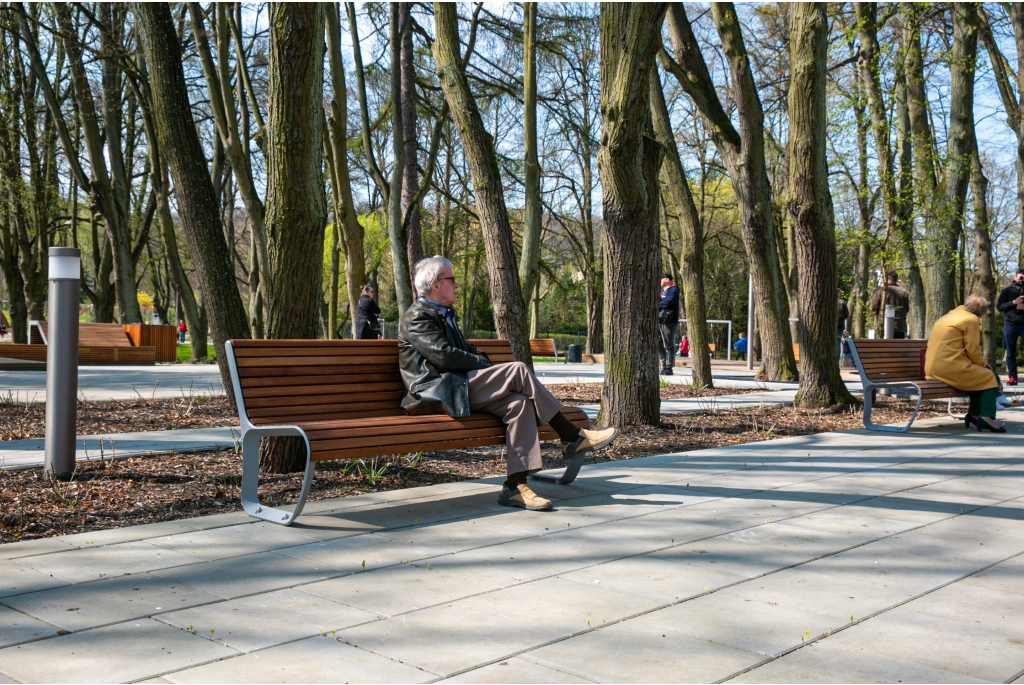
(127, 492)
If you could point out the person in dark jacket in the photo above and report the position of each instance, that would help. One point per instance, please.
(668, 320)
(844, 314)
(445, 374)
(367, 326)
(1011, 304)
(892, 294)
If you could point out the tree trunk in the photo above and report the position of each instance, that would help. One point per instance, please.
(344, 207)
(692, 251)
(810, 206)
(397, 235)
(743, 155)
(904, 224)
(629, 162)
(530, 257)
(196, 199)
(296, 206)
(411, 170)
(858, 298)
(983, 265)
(478, 147)
(959, 153)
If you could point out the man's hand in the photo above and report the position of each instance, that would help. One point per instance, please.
(1019, 301)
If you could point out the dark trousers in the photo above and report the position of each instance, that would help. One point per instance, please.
(666, 344)
(1011, 332)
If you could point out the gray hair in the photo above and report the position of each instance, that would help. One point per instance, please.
(426, 271)
(976, 304)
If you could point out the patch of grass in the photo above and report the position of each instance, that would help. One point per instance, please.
(185, 354)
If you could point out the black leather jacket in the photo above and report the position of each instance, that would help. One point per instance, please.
(1011, 315)
(433, 367)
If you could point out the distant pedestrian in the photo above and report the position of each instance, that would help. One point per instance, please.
(892, 294)
(668, 320)
(844, 344)
(367, 325)
(181, 331)
(741, 347)
(844, 314)
(684, 347)
(1011, 304)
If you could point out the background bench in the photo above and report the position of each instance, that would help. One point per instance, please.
(343, 398)
(893, 364)
(98, 343)
(543, 347)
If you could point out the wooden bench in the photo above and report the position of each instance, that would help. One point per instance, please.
(343, 398)
(895, 364)
(98, 343)
(543, 347)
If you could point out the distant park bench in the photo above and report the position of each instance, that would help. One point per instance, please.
(895, 364)
(343, 398)
(98, 343)
(543, 347)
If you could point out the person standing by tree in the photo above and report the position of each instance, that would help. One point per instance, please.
(181, 331)
(668, 320)
(367, 326)
(844, 314)
(892, 294)
(1011, 304)
(741, 346)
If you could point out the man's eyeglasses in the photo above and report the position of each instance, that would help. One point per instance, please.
(447, 278)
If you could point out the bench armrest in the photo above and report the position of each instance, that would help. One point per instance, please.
(251, 473)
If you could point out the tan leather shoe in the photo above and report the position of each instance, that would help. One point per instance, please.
(523, 497)
(589, 440)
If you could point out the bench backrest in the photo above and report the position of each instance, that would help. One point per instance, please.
(543, 347)
(89, 334)
(888, 360)
(288, 381)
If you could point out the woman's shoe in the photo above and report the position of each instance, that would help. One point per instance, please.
(988, 424)
(970, 421)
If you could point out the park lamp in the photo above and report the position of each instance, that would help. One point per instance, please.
(65, 269)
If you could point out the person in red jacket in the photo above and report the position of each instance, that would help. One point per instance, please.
(684, 347)
(181, 331)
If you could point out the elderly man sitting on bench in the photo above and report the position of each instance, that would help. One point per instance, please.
(444, 373)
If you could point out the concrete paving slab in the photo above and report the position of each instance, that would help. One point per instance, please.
(399, 589)
(515, 670)
(16, 579)
(232, 541)
(754, 625)
(112, 536)
(977, 651)
(20, 628)
(248, 575)
(976, 605)
(28, 548)
(124, 652)
(823, 662)
(509, 564)
(315, 660)
(561, 605)
(268, 619)
(657, 579)
(1007, 576)
(104, 602)
(360, 553)
(457, 536)
(447, 639)
(80, 565)
(638, 652)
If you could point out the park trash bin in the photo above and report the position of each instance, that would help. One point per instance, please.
(574, 355)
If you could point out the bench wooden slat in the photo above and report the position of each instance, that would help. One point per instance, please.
(389, 370)
(309, 389)
(361, 360)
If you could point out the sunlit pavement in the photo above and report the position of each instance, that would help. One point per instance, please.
(837, 557)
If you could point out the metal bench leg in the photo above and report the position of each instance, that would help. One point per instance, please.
(949, 410)
(572, 469)
(868, 402)
(251, 475)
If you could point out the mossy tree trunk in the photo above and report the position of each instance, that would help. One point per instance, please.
(478, 148)
(629, 163)
(296, 204)
(530, 257)
(692, 244)
(810, 206)
(196, 199)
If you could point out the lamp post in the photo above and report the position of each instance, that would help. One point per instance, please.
(65, 268)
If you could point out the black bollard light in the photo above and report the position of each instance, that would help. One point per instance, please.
(62, 362)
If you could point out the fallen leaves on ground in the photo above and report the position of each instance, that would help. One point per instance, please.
(159, 488)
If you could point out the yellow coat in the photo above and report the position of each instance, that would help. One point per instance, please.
(954, 353)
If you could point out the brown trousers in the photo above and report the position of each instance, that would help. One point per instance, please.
(513, 393)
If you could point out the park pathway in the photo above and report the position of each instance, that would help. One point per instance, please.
(837, 557)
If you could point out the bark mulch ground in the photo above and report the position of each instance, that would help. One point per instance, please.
(149, 489)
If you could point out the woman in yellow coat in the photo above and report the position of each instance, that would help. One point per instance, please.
(954, 357)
